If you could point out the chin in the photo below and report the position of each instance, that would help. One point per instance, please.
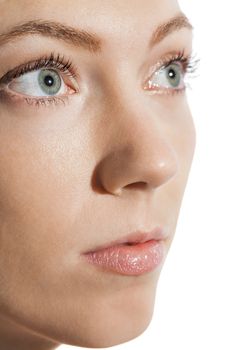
(115, 320)
(107, 336)
(113, 338)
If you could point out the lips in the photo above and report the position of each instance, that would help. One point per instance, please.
(133, 238)
(133, 254)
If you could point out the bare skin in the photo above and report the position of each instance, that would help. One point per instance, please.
(62, 167)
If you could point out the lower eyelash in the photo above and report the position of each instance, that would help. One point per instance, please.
(166, 91)
(189, 64)
(37, 102)
(50, 62)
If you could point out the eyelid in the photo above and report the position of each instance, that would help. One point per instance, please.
(173, 57)
(72, 74)
(34, 101)
(58, 63)
(165, 60)
(46, 98)
(52, 61)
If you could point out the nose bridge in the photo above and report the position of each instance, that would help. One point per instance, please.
(137, 125)
(148, 147)
(138, 149)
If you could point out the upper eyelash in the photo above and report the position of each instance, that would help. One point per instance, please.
(189, 65)
(189, 62)
(51, 61)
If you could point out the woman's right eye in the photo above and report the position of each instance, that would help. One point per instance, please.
(42, 82)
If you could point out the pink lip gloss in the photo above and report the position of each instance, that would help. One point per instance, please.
(135, 259)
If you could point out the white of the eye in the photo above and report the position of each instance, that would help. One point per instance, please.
(28, 84)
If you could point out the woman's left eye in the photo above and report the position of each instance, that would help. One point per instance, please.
(40, 83)
(167, 78)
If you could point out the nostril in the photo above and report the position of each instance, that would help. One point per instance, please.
(137, 185)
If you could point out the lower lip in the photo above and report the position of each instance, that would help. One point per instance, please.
(129, 259)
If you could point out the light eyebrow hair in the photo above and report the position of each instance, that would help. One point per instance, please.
(82, 38)
(53, 29)
(173, 24)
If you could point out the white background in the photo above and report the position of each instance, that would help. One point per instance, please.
(194, 307)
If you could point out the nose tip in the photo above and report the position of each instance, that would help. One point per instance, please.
(131, 169)
(163, 170)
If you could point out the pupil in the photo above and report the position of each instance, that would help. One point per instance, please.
(48, 80)
(171, 73)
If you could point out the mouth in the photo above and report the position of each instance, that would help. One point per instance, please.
(134, 238)
(134, 254)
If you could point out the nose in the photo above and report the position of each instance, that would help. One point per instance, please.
(138, 156)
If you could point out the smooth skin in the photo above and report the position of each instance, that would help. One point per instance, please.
(62, 166)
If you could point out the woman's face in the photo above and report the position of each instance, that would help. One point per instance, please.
(68, 147)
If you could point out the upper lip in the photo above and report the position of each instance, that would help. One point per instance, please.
(138, 236)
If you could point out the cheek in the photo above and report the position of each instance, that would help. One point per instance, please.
(40, 191)
(40, 199)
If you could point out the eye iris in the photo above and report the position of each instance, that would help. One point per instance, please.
(173, 75)
(49, 81)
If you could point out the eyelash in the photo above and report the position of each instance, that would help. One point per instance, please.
(189, 64)
(61, 64)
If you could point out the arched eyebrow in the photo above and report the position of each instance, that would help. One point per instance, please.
(173, 24)
(82, 38)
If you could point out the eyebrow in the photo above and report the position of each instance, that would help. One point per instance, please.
(81, 38)
(174, 24)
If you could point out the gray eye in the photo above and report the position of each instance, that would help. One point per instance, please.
(49, 81)
(173, 74)
(42, 82)
(171, 77)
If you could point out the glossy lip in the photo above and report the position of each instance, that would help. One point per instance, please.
(134, 260)
(139, 236)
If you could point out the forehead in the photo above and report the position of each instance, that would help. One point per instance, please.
(123, 26)
(131, 17)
